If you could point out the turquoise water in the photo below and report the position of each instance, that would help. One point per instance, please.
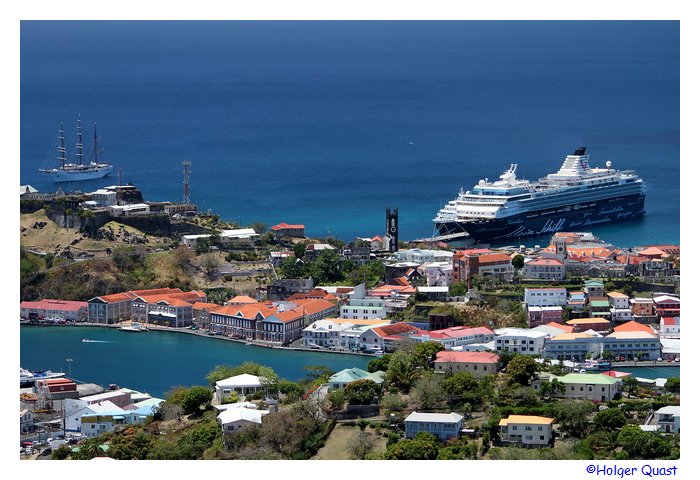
(653, 372)
(156, 361)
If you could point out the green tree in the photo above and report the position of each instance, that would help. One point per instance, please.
(195, 398)
(644, 445)
(292, 268)
(459, 384)
(392, 402)
(424, 352)
(428, 392)
(401, 372)
(318, 372)
(518, 261)
(362, 392)
(293, 391)
(131, 445)
(422, 447)
(609, 419)
(336, 398)
(299, 250)
(458, 289)
(572, 416)
(361, 444)
(326, 268)
(673, 385)
(380, 364)
(549, 390)
(630, 384)
(521, 369)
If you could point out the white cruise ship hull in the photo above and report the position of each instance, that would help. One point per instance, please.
(78, 175)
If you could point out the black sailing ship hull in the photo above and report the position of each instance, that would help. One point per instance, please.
(578, 217)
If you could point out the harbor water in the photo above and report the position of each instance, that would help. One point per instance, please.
(156, 361)
(328, 123)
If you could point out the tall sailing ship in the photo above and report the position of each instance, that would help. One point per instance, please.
(576, 197)
(71, 172)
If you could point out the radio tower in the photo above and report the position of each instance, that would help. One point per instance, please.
(186, 181)
(120, 176)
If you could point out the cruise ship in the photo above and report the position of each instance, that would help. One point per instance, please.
(576, 197)
(71, 172)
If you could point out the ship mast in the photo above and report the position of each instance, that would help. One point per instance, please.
(79, 144)
(94, 142)
(61, 147)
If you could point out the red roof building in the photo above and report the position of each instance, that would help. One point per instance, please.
(59, 309)
(286, 230)
(478, 364)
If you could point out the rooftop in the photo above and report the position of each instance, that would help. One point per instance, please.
(466, 357)
(526, 420)
(434, 417)
(588, 379)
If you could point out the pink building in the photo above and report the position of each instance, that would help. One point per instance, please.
(58, 309)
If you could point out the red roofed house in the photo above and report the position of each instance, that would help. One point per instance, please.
(171, 309)
(667, 306)
(387, 337)
(391, 291)
(456, 336)
(465, 264)
(316, 309)
(285, 230)
(670, 326)
(633, 326)
(566, 328)
(47, 308)
(117, 307)
(241, 300)
(478, 364)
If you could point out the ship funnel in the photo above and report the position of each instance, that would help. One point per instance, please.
(580, 151)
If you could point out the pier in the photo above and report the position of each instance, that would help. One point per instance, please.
(442, 238)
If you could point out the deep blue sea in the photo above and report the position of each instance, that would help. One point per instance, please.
(329, 123)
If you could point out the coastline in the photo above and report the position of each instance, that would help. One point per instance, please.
(159, 328)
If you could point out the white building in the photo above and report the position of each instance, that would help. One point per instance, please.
(573, 346)
(131, 210)
(438, 273)
(243, 384)
(520, 340)
(670, 326)
(324, 333)
(26, 421)
(619, 315)
(442, 425)
(104, 198)
(238, 237)
(364, 309)
(619, 300)
(455, 336)
(233, 419)
(526, 430)
(277, 258)
(73, 418)
(419, 256)
(669, 419)
(545, 297)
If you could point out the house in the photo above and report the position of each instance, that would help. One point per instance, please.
(465, 264)
(241, 300)
(442, 425)
(420, 256)
(478, 364)
(93, 425)
(438, 273)
(642, 309)
(590, 386)
(240, 320)
(669, 419)
(544, 269)
(74, 418)
(545, 297)
(283, 288)
(104, 197)
(132, 210)
(121, 398)
(234, 419)
(277, 258)
(667, 306)
(314, 250)
(324, 333)
(356, 252)
(633, 326)
(584, 324)
(363, 308)
(618, 300)
(387, 337)
(593, 288)
(342, 378)
(577, 301)
(455, 336)
(241, 237)
(438, 294)
(286, 230)
(520, 340)
(54, 309)
(243, 384)
(392, 292)
(26, 421)
(526, 430)
(351, 336)
(599, 307)
(543, 315)
(670, 326)
(282, 327)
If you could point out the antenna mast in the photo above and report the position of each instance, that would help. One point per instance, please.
(120, 174)
(186, 181)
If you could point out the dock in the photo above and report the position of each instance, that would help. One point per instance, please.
(442, 238)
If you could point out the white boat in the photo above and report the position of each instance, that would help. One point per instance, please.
(134, 327)
(70, 172)
(28, 378)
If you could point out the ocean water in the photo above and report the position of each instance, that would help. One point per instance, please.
(329, 123)
(157, 361)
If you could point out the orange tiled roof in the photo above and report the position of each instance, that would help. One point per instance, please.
(312, 306)
(395, 329)
(466, 357)
(493, 258)
(633, 326)
(115, 297)
(205, 306)
(241, 300)
(281, 226)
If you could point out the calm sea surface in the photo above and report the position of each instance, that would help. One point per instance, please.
(328, 123)
(156, 361)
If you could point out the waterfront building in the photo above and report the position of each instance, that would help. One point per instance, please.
(572, 346)
(420, 256)
(315, 309)
(520, 340)
(240, 320)
(545, 297)
(342, 378)
(670, 349)
(201, 313)
(285, 230)
(162, 310)
(324, 333)
(104, 197)
(633, 344)
(455, 336)
(54, 309)
(543, 315)
(350, 337)
(117, 307)
(443, 425)
(386, 338)
(526, 430)
(633, 326)
(244, 384)
(544, 269)
(282, 327)
(478, 364)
